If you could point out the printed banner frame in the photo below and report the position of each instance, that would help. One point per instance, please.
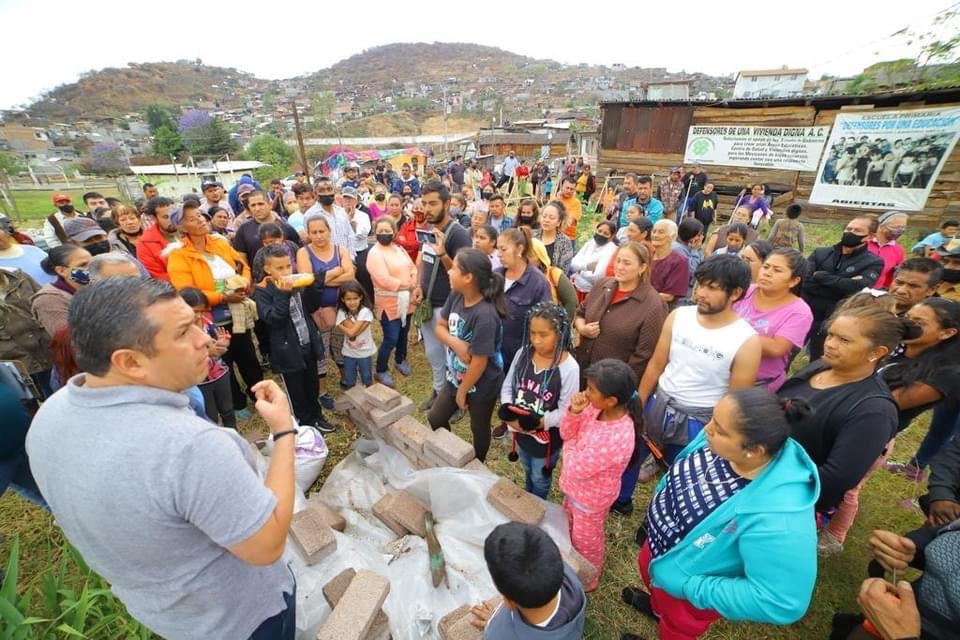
(756, 146)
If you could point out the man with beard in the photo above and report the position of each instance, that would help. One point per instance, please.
(914, 281)
(341, 230)
(950, 279)
(247, 240)
(434, 261)
(53, 234)
(151, 247)
(833, 273)
(703, 352)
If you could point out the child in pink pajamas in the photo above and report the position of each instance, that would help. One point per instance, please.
(600, 432)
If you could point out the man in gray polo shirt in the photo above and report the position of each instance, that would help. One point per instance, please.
(164, 505)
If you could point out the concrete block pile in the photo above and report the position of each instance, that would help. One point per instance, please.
(358, 609)
(333, 592)
(402, 513)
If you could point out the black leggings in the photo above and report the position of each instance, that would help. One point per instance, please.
(303, 387)
(218, 401)
(242, 353)
(480, 405)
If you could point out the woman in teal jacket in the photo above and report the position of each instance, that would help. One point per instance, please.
(731, 528)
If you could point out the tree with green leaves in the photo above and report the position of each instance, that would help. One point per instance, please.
(271, 150)
(167, 142)
(10, 164)
(161, 115)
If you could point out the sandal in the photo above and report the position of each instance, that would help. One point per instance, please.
(639, 600)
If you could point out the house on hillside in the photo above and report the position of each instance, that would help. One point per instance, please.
(28, 143)
(770, 83)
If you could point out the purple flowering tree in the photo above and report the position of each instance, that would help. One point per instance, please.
(107, 158)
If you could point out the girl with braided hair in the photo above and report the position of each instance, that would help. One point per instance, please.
(542, 379)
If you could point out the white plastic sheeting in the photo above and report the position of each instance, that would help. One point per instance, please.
(464, 518)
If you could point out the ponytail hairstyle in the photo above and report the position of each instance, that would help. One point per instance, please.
(489, 283)
(561, 213)
(762, 248)
(764, 420)
(612, 228)
(944, 354)
(795, 261)
(642, 253)
(879, 325)
(58, 257)
(614, 378)
(521, 237)
(194, 297)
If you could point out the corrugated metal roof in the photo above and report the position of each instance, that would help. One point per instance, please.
(772, 72)
(890, 98)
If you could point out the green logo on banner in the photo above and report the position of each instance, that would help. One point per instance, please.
(701, 146)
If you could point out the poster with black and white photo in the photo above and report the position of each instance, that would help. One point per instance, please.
(885, 159)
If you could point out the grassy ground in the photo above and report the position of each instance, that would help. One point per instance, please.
(42, 544)
(35, 206)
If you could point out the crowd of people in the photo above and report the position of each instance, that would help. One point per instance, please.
(656, 347)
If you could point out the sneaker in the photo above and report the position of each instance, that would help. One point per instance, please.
(385, 379)
(326, 401)
(457, 416)
(828, 545)
(323, 426)
(623, 508)
(428, 403)
(639, 600)
(242, 414)
(648, 470)
(403, 368)
(500, 431)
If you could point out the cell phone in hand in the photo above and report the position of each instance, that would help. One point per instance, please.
(426, 237)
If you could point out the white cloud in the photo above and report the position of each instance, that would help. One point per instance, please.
(50, 43)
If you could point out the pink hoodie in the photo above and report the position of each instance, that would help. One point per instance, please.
(595, 455)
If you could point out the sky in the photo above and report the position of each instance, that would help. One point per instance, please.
(48, 43)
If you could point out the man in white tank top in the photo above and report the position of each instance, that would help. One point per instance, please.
(703, 351)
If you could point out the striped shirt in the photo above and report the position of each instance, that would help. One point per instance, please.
(696, 486)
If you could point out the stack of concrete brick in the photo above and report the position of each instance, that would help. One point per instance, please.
(515, 503)
(312, 535)
(402, 513)
(458, 624)
(373, 409)
(333, 592)
(358, 609)
(426, 448)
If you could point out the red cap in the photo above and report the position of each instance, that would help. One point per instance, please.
(60, 197)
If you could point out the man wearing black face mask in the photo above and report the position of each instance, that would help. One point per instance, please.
(53, 234)
(833, 273)
(87, 234)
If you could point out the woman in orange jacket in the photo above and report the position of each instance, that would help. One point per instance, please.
(210, 264)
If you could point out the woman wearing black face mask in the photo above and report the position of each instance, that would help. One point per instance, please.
(394, 277)
(528, 215)
(590, 263)
(69, 264)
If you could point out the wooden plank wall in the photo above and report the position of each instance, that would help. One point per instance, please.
(528, 151)
(627, 154)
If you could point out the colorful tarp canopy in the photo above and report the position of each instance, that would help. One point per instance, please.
(339, 158)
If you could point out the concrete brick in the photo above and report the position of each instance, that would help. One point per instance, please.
(403, 510)
(354, 616)
(312, 536)
(431, 459)
(382, 419)
(383, 510)
(457, 625)
(341, 403)
(584, 569)
(358, 398)
(333, 591)
(410, 432)
(361, 420)
(453, 451)
(331, 517)
(476, 465)
(380, 396)
(515, 503)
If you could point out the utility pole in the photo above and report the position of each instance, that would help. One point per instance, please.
(303, 152)
(444, 119)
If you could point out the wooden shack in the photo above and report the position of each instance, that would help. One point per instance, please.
(499, 142)
(650, 137)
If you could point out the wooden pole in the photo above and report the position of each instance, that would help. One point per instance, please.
(303, 152)
(8, 195)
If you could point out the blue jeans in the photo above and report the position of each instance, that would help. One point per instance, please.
(537, 482)
(15, 474)
(394, 337)
(944, 425)
(350, 368)
(282, 626)
(630, 477)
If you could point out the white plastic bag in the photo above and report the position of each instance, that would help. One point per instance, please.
(310, 453)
